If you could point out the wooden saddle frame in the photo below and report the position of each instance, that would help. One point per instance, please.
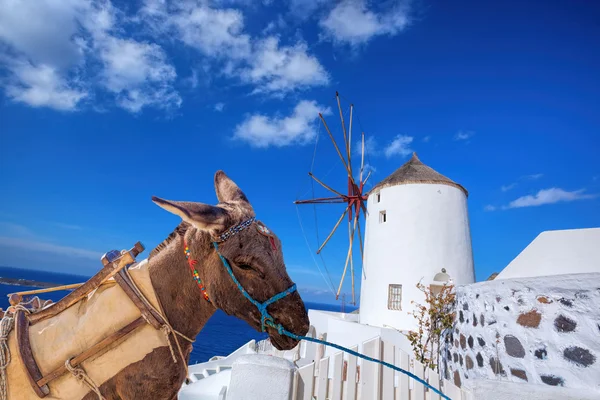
(113, 268)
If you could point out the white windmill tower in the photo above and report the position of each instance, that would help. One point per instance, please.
(417, 229)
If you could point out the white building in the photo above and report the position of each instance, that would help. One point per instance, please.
(572, 251)
(417, 230)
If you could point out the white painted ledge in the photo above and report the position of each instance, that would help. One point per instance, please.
(258, 377)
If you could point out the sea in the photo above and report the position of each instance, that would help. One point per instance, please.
(222, 334)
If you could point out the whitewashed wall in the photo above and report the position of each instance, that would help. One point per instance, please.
(570, 251)
(542, 330)
(427, 229)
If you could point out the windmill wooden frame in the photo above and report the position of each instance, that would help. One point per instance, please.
(354, 199)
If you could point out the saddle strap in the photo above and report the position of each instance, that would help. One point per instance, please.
(148, 312)
(82, 291)
(32, 371)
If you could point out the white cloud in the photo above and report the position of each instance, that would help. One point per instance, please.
(544, 196)
(371, 147)
(368, 169)
(533, 176)
(138, 74)
(277, 69)
(399, 146)
(42, 50)
(219, 107)
(351, 22)
(506, 188)
(550, 196)
(298, 128)
(42, 86)
(42, 31)
(59, 52)
(219, 35)
(303, 9)
(214, 32)
(275, 25)
(464, 135)
(128, 62)
(30, 245)
(371, 150)
(193, 79)
(510, 186)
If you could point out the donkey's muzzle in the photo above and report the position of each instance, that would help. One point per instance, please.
(290, 316)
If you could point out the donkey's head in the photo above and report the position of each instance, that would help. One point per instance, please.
(252, 253)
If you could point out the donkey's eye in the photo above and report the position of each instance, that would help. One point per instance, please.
(245, 267)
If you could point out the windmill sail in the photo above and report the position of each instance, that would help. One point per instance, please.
(354, 199)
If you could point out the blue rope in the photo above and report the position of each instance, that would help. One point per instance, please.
(265, 317)
(267, 320)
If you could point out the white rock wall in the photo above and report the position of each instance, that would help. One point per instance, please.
(542, 330)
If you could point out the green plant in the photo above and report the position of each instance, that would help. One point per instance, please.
(433, 319)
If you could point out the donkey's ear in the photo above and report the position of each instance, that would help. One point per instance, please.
(227, 190)
(202, 216)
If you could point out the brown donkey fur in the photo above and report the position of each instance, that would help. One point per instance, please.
(258, 267)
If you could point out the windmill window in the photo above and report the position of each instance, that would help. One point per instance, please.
(382, 217)
(378, 197)
(395, 297)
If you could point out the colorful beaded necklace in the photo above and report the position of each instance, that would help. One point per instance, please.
(192, 263)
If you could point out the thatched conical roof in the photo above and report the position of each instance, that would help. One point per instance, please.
(414, 171)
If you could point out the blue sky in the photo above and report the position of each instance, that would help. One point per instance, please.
(105, 104)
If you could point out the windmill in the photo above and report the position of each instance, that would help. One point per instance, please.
(353, 200)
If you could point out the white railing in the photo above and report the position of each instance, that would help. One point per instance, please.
(345, 377)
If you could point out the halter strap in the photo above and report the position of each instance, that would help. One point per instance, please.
(234, 230)
(265, 318)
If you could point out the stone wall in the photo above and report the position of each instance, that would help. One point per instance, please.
(538, 330)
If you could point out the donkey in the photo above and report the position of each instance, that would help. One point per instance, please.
(256, 260)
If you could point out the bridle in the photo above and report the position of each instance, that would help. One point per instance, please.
(265, 318)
